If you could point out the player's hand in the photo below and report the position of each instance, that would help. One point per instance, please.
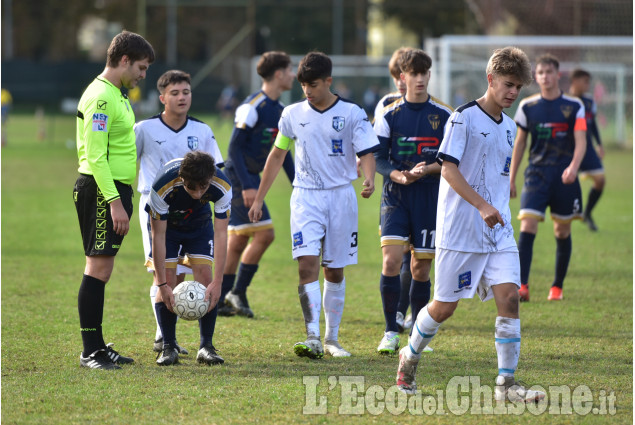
(491, 216)
(255, 212)
(601, 151)
(369, 188)
(212, 294)
(569, 175)
(409, 177)
(421, 169)
(512, 190)
(120, 220)
(248, 197)
(168, 296)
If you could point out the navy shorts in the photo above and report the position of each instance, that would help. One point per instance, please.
(544, 188)
(409, 216)
(95, 220)
(239, 222)
(591, 163)
(188, 246)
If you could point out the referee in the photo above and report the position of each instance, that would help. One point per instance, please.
(103, 192)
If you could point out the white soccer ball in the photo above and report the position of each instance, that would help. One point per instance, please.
(189, 300)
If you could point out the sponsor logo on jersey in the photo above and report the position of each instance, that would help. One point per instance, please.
(337, 148)
(434, 120)
(297, 239)
(101, 104)
(100, 122)
(552, 130)
(338, 123)
(418, 145)
(269, 136)
(510, 139)
(465, 279)
(508, 163)
(566, 110)
(192, 142)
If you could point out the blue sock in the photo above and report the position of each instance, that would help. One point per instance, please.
(525, 252)
(405, 277)
(390, 288)
(243, 278)
(167, 323)
(228, 284)
(563, 255)
(206, 325)
(419, 296)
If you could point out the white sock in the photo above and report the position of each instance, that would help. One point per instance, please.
(425, 328)
(153, 295)
(333, 307)
(507, 341)
(311, 302)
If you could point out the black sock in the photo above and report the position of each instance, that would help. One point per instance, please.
(206, 325)
(563, 255)
(525, 252)
(243, 278)
(228, 284)
(405, 277)
(390, 288)
(167, 323)
(419, 296)
(90, 304)
(594, 195)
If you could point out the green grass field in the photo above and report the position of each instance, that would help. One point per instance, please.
(585, 340)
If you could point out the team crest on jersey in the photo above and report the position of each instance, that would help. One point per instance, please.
(465, 279)
(510, 139)
(337, 147)
(192, 142)
(338, 123)
(434, 120)
(566, 110)
(100, 122)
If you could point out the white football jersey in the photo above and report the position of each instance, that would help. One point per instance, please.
(327, 142)
(482, 149)
(158, 144)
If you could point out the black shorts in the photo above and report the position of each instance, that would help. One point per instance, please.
(95, 221)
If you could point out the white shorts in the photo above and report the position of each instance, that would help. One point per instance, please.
(144, 221)
(461, 274)
(325, 222)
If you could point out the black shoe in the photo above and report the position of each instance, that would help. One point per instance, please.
(168, 356)
(240, 303)
(116, 357)
(226, 310)
(209, 356)
(158, 347)
(590, 223)
(98, 360)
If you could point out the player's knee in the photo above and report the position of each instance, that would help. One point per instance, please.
(391, 265)
(599, 182)
(334, 275)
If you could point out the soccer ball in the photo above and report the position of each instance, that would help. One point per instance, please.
(189, 303)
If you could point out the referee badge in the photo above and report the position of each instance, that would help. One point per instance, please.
(192, 142)
(338, 123)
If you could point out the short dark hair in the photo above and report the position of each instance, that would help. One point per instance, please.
(197, 168)
(548, 59)
(129, 44)
(415, 60)
(314, 66)
(579, 73)
(173, 76)
(394, 64)
(270, 62)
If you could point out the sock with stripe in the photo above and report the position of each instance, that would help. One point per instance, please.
(507, 341)
(423, 330)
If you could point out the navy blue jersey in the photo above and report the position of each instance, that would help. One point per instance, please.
(170, 201)
(410, 133)
(551, 124)
(256, 128)
(592, 131)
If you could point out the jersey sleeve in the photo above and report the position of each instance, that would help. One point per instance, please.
(454, 139)
(246, 116)
(139, 139)
(156, 206)
(580, 118)
(285, 131)
(213, 149)
(364, 138)
(520, 117)
(222, 205)
(99, 114)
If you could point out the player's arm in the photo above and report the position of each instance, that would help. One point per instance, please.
(455, 179)
(367, 164)
(220, 255)
(289, 166)
(517, 157)
(570, 173)
(158, 229)
(595, 134)
(272, 167)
